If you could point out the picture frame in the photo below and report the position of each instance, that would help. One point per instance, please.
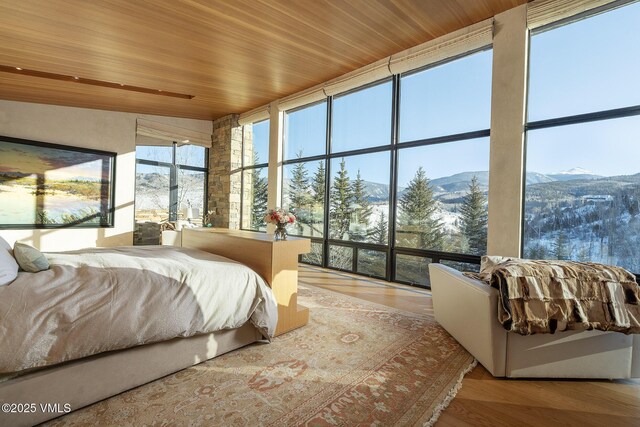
(44, 185)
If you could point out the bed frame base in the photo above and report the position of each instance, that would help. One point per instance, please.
(83, 382)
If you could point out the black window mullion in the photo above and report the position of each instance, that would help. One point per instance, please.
(393, 180)
(173, 193)
(354, 258)
(205, 204)
(153, 163)
(446, 138)
(191, 168)
(327, 186)
(616, 113)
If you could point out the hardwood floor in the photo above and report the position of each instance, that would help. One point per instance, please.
(488, 401)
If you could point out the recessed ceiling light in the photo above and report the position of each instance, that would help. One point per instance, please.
(76, 78)
(18, 68)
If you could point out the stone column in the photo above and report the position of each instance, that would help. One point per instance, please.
(225, 160)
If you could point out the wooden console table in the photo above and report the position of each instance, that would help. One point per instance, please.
(276, 262)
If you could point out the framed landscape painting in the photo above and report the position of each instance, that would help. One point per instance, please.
(55, 186)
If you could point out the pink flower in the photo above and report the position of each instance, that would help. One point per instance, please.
(279, 216)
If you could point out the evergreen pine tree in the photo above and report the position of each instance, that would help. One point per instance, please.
(537, 251)
(378, 234)
(341, 205)
(417, 214)
(362, 207)
(259, 192)
(318, 184)
(299, 187)
(561, 249)
(474, 218)
(300, 199)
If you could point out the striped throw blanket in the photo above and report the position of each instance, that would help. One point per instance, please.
(547, 296)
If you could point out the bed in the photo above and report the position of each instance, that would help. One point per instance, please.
(104, 320)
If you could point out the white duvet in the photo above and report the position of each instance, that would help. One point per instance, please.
(104, 299)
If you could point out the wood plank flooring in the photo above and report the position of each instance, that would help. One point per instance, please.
(488, 401)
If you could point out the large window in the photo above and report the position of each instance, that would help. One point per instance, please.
(443, 167)
(582, 198)
(442, 197)
(170, 183)
(255, 159)
(394, 175)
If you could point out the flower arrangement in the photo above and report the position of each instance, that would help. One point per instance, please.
(279, 217)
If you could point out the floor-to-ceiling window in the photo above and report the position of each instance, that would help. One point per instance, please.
(391, 176)
(171, 183)
(304, 174)
(254, 170)
(582, 198)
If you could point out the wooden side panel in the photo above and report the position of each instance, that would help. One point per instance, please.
(276, 262)
(255, 254)
(290, 314)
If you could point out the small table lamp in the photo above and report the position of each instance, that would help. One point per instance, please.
(191, 213)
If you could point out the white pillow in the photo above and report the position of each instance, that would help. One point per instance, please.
(8, 265)
(4, 244)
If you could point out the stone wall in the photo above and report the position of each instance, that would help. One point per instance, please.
(225, 160)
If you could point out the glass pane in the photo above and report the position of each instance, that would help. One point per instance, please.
(156, 154)
(315, 256)
(586, 66)
(359, 198)
(303, 194)
(254, 199)
(341, 257)
(191, 187)
(413, 269)
(461, 266)
(582, 196)
(305, 131)
(372, 263)
(362, 119)
(152, 193)
(191, 155)
(451, 98)
(256, 143)
(442, 197)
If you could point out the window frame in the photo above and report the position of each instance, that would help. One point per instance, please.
(173, 178)
(393, 148)
(575, 119)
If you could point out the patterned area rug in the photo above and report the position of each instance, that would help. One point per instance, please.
(355, 363)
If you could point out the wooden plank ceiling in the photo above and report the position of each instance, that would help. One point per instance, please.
(230, 55)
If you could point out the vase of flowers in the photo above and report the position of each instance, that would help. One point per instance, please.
(281, 218)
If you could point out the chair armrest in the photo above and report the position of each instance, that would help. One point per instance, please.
(468, 310)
